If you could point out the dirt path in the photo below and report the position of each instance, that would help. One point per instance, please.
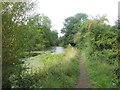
(83, 82)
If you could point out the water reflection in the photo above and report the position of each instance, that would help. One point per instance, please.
(58, 49)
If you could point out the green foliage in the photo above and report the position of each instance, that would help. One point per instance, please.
(100, 37)
(99, 41)
(58, 72)
(71, 26)
(14, 39)
(100, 74)
(43, 37)
(61, 41)
(21, 33)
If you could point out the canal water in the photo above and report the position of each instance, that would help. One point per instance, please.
(34, 62)
(58, 50)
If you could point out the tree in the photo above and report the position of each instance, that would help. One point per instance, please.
(71, 26)
(13, 38)
(100, 41)
(43, 35)
(99, 38)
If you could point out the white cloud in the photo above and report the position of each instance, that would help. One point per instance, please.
(58, 10)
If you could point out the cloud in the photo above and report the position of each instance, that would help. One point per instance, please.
(58, 10)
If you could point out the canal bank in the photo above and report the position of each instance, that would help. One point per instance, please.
(35, 62)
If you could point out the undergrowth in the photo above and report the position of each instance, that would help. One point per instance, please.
(100, 74)
(60, 71)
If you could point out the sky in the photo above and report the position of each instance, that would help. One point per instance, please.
(59, 10)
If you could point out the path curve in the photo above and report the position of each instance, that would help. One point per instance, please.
(83, 82)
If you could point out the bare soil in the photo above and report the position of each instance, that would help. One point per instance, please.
(83, 81)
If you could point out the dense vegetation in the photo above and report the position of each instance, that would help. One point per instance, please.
(25, 38)
(97, 41)
(59, 71)
(71, 26)
(22, 33)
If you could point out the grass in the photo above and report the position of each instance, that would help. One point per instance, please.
(100, 74)
(34, 60)
(59, 71)
(39, 52)
(62, 69)
(35, 53)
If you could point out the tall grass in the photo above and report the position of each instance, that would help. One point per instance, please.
(100, 74)
(60, 71)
